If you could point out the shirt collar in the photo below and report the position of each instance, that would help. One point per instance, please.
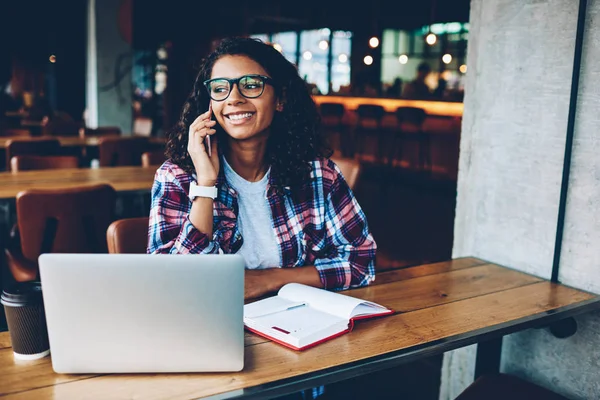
(271, 185)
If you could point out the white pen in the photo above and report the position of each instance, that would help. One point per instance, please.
(277, 311)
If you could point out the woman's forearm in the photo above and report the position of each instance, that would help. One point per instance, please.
(260, 282)
(201, 215)
(306, 275)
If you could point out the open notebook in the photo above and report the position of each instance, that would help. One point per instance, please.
(302, 316)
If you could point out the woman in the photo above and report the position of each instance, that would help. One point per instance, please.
(279, 201)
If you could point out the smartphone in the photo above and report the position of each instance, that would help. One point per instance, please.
(207, 141)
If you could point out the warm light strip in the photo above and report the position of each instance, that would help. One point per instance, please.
(445, 108)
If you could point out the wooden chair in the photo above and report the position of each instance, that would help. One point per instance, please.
(350, 169)
(27, 163)
(150, 158)
(122, 150)
(369, 124)
(504, 386)
(61, 126)
(70, 220)
(332, 115)
(33, 146)
(410, 123)
(128, 235)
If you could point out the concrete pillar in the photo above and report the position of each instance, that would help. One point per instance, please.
(109, 62)
(520, 60)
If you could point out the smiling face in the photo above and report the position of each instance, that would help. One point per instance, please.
(240, 117)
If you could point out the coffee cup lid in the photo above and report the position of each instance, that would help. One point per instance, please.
(22, 294)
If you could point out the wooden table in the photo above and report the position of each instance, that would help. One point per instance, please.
(70, 141)
(130, 182)
(440, 307)
(121, 178)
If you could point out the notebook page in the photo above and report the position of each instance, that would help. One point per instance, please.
(368, 308)
(321, 299)
(269, 305)
(300, 322)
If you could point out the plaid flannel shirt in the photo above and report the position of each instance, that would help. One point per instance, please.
(319, 224)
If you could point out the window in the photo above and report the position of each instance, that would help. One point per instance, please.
(450, 38)
(287, 42)
(312, 57)
(314, 50)
(340, 70)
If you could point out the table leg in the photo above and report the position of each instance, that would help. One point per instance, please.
(488, 357)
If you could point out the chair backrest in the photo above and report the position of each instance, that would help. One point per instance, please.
(33, 146)
(142, 126)
(370, 111)
(370, 115)
(411, 115)
(156, 157)
(62, 116)
(121, 150)
(61, 127)
(350, 169)
(26, 163)
(72, 220)
(332, 110)
(129, 235)
(102, 131)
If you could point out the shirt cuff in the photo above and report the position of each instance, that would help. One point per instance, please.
(192, 241)
(334, 273)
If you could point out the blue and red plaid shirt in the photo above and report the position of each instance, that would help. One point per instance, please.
(319, 224)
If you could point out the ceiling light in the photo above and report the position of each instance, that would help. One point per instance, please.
(431, 39)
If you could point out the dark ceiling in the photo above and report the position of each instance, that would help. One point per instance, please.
(168, 18)
(35, 24)
(35, 28)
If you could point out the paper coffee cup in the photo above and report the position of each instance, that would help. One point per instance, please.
(24, 308)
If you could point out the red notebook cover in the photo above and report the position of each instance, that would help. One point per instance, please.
(308, 346)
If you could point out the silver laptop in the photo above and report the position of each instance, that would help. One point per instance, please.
(110, 313)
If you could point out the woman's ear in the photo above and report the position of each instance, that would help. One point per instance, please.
(281, 100)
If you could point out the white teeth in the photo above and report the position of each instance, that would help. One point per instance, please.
(236, 117)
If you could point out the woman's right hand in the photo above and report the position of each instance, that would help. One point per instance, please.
(207, 168)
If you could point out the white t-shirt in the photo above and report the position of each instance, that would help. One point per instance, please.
(255, 221)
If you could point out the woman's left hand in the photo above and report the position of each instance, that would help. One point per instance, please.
(261, 282)
(257, 283)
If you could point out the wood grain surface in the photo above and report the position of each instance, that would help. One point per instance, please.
(69, 141)
(443, 301)
(121, 178)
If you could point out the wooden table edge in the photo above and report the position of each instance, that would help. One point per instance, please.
(395, 358)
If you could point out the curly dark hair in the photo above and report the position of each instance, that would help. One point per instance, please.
(295, 138)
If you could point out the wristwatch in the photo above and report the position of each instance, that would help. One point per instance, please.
(202, 191)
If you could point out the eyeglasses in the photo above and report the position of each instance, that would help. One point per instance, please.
(249, 86)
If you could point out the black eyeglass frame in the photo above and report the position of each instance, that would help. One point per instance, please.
(236, 81)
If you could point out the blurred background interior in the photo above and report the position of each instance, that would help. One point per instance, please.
(388, 77)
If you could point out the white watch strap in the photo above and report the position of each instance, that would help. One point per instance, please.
(202, 191)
